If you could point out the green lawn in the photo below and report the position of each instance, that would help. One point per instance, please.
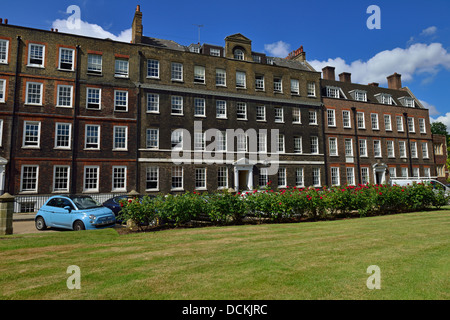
(314, 260)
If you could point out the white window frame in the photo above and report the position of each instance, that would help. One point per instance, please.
(281, 143)
(361, 122)
(348, 146)
(97, 180)
(374, 121)
(402, 149)
(6, 42)
(312, 116)
(91, 96)
(177, 170)
(115, 178)
(221, 176)
(176, 103)
(67, 182)
(279, 115)
(296, 115)
(350, 175)
(27, 97)
(57, 124)
(150, 174)
(316, 175)
(121, 68)
(36, 65)
(221, 77)
(259, 114)
(377, 149)
(200, 176)
(425, 153)
(390, 148)
(116, 100)
(241, 80)
(60, 59)
(333, 147)
(365, 176)
(282, 178)
(241, 111)
(176, 136)
(311, 89)
(199, 74)
(115, 147)
(152, 135)
(331, 117)
(387, 122)
(300, 177)
(221, 109)
(176, 71)
(333, 92)
(86, 137)
(152, 69)
(199, 105)
(400, 126)
(3, 90)
(414, 153)
(95, 63)
(298, 144)
(422, 125)
(295, 87)
(335, 177)
(346, 117)
(363, 148)
(411, 125)
(58, 96)
(152, 102)
(277, 85)
(259, 82)
(25, 143)
(314, 144)
(22, 171)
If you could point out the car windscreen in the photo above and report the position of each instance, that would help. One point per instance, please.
(85, 202)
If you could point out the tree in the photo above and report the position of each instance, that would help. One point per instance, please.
(439, 128)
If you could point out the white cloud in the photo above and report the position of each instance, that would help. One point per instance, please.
(444, 119)
(278, 49)
(433, 111)
(84, 28)
(419, 58)
(429, 31)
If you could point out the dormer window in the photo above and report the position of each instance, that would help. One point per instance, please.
(384, 98)
(256, 58)
(238, 54)
(407, 102)
(359, 95)
(333, 92)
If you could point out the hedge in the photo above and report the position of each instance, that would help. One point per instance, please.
(289, 204)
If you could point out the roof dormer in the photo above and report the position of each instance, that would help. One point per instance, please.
(238, 47)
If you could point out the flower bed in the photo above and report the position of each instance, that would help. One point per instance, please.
(289, 204)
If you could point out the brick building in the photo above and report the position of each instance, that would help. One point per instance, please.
(440, 157)
(86, 115)
(373, 133)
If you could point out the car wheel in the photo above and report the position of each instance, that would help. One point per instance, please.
(40, 224)
(78, 225)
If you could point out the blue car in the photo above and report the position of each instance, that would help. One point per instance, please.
(74, 212)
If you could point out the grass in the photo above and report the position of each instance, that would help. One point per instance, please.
(320, 260)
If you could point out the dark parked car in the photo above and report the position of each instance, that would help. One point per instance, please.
(114, 203)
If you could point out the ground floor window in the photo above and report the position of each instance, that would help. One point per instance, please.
(119, 178)
(177, 177)
(91, 176)
(29, 178)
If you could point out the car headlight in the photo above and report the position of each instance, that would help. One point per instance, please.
(92, 217)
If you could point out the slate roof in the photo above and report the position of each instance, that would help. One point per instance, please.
(371, 91)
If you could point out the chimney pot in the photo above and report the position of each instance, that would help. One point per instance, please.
(395, 81)
(138, 8)
(374, 84)
(328, 73)
(6, 21)
(345, 77)
(1, 20)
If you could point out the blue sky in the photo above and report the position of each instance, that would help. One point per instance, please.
(414, 39)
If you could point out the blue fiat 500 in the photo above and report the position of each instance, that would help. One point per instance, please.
(74, 212)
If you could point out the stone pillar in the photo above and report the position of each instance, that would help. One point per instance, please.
(6, 214)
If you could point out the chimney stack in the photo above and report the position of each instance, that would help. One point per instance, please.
(374, 84)
(328, 73)
(395, 81)
(345, 77)
(136, 27)
(298, 55)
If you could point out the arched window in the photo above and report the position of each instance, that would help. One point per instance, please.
(238, 54)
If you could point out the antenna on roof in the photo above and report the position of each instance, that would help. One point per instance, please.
(199, 26)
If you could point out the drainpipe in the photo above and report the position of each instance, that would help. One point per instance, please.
(75, 129)
(405, 114)
(10, 175)
(355, 124)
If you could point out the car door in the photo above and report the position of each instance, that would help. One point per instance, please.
(61, 218)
